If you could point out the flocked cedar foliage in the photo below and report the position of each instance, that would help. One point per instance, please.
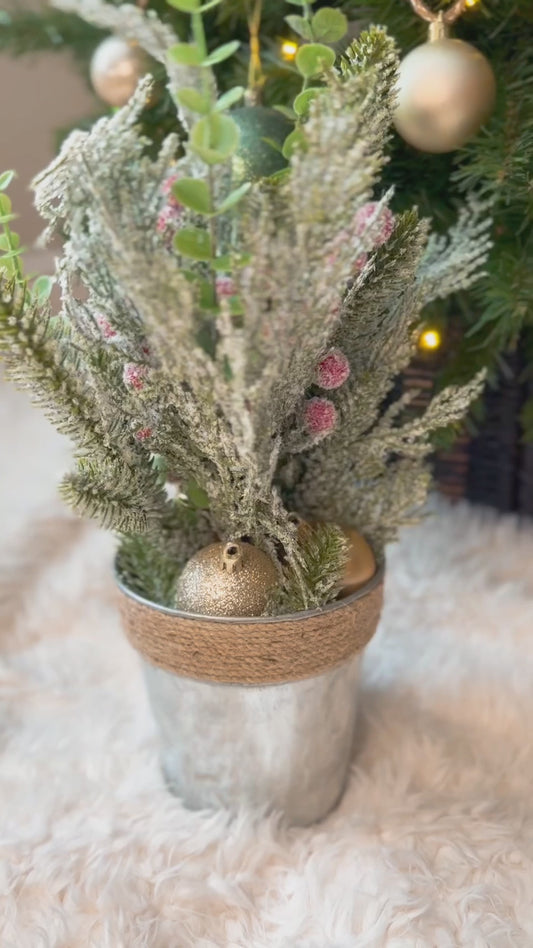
(193, 363)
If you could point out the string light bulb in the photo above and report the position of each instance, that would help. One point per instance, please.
(289, 49)
(471, 3)
(430, 340)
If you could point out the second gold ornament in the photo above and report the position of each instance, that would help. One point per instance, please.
(446, 88)
(116, 67)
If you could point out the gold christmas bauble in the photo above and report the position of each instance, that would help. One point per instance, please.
(361, 564)
(446, 90)
(116, 67)
(227, 579)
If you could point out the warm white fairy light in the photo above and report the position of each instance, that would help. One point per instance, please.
(289, 49)
(430, 340)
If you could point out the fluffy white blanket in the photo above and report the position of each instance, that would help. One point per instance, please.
(432, 846)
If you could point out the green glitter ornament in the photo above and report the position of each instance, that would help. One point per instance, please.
(256, 157)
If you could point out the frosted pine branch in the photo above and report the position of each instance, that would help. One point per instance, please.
(454, 261)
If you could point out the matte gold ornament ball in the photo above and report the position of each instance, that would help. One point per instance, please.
(116, 67)
(361, 564)
(446, 91)
(227, 579)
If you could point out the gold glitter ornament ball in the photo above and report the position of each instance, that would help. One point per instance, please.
(116, 67)
(446, 91)
(227, 579)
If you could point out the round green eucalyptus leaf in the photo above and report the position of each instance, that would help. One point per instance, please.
(5, 204)
(194, 100)
(185, 6)
(329, 25)
(314, 59)
(229, 98)
(221, 53)
(215, 138)
(5, 179)
(42, 288)
(193, 193)
(296, 141)
(186, 54)
(304, 99)
(9, 242)
(193, 242)
(299, 25)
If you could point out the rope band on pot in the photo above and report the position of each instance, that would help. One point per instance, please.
(252, 652)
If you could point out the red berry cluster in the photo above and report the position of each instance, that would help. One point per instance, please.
(320, 414)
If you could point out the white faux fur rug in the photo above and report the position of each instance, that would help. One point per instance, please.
(432, 846)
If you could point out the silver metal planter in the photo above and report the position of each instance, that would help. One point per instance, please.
(280, 741)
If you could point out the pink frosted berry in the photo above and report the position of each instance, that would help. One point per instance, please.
(134, 375)
(333, 370)
(382, 225)
(105, 327)
(225, 286)
(143, 434)
(320, 416)
(166, 190)
(168, 220)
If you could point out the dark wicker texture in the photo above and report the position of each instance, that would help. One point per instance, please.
(493, 467)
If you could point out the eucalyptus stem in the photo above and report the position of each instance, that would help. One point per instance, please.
(212, 229)
(308, 15)
(15, 261)
(199, 37)
(198, 32)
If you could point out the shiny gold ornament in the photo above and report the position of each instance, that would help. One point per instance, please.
(446, 90)
(116, 67)
(227, 579)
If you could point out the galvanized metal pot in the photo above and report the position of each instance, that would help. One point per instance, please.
(260, 712)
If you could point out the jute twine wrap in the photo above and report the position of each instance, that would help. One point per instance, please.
(253, 651)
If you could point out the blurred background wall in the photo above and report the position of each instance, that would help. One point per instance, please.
(38, 95)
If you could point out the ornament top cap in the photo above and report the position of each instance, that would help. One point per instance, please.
(438, 30)
(232, 557)
(444, 17)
